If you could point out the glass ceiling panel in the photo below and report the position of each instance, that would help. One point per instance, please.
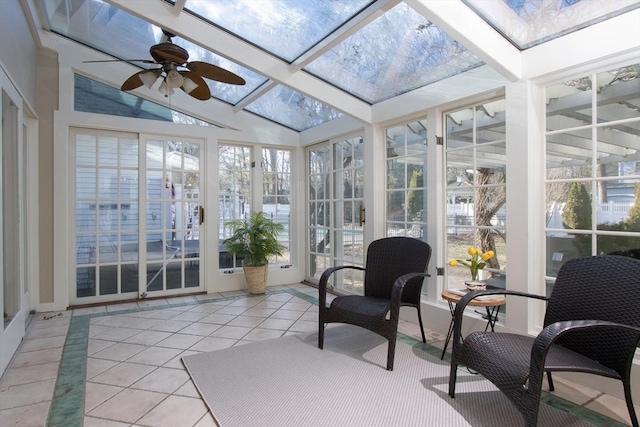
(398, 52)
(285, 28)
(118, 33)
(103, 27)
(530, 22)
(292, 109)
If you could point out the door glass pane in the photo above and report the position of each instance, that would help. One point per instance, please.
(107, 151)
(335, 232)
(86, 150)
(173, 239)
(107, 214)
(319, 217)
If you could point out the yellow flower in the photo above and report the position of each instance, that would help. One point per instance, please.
(487, 255)
(476, 261)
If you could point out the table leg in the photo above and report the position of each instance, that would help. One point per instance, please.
(492, 317)
(450, 332)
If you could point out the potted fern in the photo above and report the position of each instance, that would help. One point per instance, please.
(254, 240)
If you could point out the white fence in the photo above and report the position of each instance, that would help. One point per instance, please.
(460, 215)
(610, 212)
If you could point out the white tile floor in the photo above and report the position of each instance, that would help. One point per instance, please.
(134, 375)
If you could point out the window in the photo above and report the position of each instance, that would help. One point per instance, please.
(593, 167)
(476, 189)
(276, 195)
(335, 207)
(234, 169)
(95, 97)
(407, 180)
(236, 200)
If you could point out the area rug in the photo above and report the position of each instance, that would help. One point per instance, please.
(289, 382)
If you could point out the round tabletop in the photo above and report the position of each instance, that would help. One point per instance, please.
(486, 301)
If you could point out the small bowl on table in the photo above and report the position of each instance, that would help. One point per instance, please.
(476, 285)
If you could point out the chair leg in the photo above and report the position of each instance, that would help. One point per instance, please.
(627, 397)
(391, 352)
(424, 339)
(452, 379)
(550, 380)
(320, 335)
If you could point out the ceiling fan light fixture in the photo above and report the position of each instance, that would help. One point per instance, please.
(150, 77)
(189, 85)
(174, 79)
(165, 89)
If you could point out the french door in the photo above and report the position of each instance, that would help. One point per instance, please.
(138, 216)
(336, 211)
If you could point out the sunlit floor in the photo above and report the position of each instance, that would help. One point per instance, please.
(121, 364)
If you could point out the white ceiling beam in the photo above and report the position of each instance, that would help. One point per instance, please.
(34, 14)
(261, 90)
(618, 37)
(471, 83)
(221, 42)
(467, 28)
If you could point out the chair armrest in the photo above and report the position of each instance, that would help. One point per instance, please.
(396, 291)
(462, 304)
(322, 286)
(552, 332)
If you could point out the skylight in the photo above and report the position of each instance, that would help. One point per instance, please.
(286, 28)
(292, 109)
(398, 52)
(530, 22)
(372, 50)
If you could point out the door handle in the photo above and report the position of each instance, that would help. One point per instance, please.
(362, 215)
(200, 215)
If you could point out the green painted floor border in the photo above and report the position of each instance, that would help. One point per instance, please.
(67, 406)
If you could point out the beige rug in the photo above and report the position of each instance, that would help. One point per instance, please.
(289, 382)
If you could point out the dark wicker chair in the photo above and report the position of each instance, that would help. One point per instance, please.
(591, 325)
(395, 270)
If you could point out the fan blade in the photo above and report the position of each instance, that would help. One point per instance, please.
(214, 72)
(144, 61)
(133, 82)
(202, 91)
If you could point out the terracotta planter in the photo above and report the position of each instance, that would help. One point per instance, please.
(256, 278)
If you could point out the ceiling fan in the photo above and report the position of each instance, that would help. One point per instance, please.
(176, 72)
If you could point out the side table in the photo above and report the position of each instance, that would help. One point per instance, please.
(491, 303)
